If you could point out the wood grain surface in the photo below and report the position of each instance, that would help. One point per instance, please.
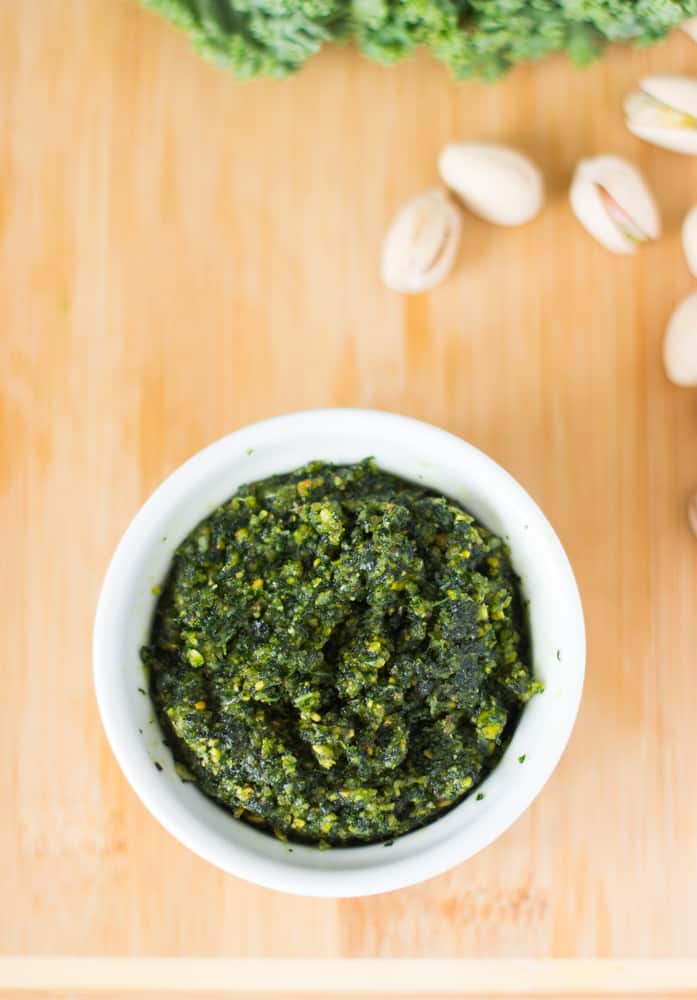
(180, 255)
(348, 979)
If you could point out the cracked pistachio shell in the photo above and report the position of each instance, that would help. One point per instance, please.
(421, 244)
(690, 28)
(664, 112)
(689, 239)
(498, 184)
(612, 201)
(692, 512)
(680, 343)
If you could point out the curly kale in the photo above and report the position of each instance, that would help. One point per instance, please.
(482, 38)
(252, 38)
(387, 30)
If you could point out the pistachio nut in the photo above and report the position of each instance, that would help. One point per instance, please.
(611, 200)
(690, 28)
(680, 343)
(421, 244)
(689, 239)
(664, 111)
(692, 512)
(496, 183)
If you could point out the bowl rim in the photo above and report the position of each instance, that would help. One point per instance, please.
(438, 853)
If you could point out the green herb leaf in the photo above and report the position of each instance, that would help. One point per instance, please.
(481, 38)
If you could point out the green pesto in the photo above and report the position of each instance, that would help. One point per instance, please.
(339, 655)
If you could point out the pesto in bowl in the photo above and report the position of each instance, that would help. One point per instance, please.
(339, 655)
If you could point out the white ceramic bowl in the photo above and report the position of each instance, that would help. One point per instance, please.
(415, 451)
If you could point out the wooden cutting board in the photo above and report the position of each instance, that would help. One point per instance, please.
(180, 255)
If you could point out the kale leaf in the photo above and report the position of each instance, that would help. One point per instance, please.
(481, 38)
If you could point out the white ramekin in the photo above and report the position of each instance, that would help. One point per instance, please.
(416, 451)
